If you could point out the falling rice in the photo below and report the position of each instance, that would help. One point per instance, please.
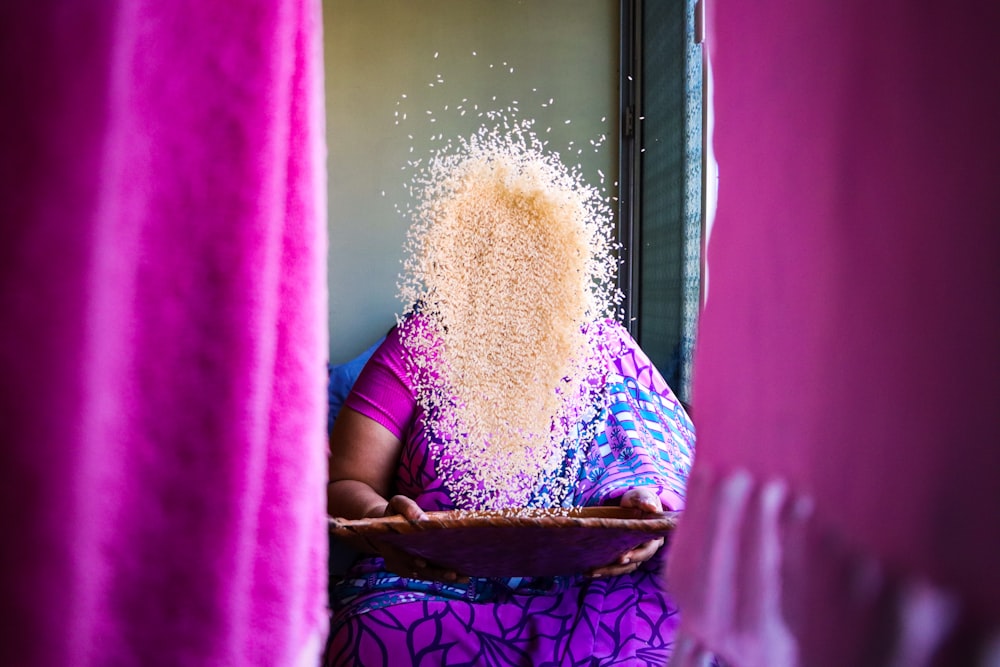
(509, 258)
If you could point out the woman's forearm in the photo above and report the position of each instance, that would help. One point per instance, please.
(351, 499)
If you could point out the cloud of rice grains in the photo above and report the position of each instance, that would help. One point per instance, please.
(510, 257)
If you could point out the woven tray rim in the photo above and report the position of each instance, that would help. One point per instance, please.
(512, 543)
(611, 517)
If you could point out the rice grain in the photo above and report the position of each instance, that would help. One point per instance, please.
(509, 260)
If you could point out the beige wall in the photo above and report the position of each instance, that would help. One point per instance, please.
(376, 51)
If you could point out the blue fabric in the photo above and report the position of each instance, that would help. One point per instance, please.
(342, 378)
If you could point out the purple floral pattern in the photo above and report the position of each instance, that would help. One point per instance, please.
(624, 620)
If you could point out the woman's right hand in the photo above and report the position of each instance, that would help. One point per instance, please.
(407, 565)
(405, 507)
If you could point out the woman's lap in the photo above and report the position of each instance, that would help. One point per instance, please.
(625, 620)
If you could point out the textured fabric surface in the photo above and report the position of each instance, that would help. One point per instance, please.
(162, 287)
(646, 439)
(624, 620)
(842, 510)
(342, 378)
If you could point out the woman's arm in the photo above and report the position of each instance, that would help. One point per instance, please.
(363, 459)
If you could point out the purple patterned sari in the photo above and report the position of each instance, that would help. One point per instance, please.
(380, 618)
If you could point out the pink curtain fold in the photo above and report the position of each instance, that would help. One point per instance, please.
(162, 358)
(844, 500)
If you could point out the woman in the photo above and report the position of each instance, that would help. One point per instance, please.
(434, 424)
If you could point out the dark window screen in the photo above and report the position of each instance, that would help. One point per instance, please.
(669, 128)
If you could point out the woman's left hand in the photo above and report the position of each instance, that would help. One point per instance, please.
(646, 500)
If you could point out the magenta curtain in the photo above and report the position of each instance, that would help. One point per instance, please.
(162, 291)
(844, 504)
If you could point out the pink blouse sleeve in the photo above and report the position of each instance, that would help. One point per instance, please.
(383, 391)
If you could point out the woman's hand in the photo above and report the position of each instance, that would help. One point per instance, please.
(646, 500)
(405, 507)
(404, 564)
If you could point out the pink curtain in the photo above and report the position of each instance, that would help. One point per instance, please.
(844, 505)
(162, 289)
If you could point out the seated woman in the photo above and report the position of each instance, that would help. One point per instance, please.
(506, 388)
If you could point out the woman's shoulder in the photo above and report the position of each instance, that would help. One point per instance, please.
(610, 337)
